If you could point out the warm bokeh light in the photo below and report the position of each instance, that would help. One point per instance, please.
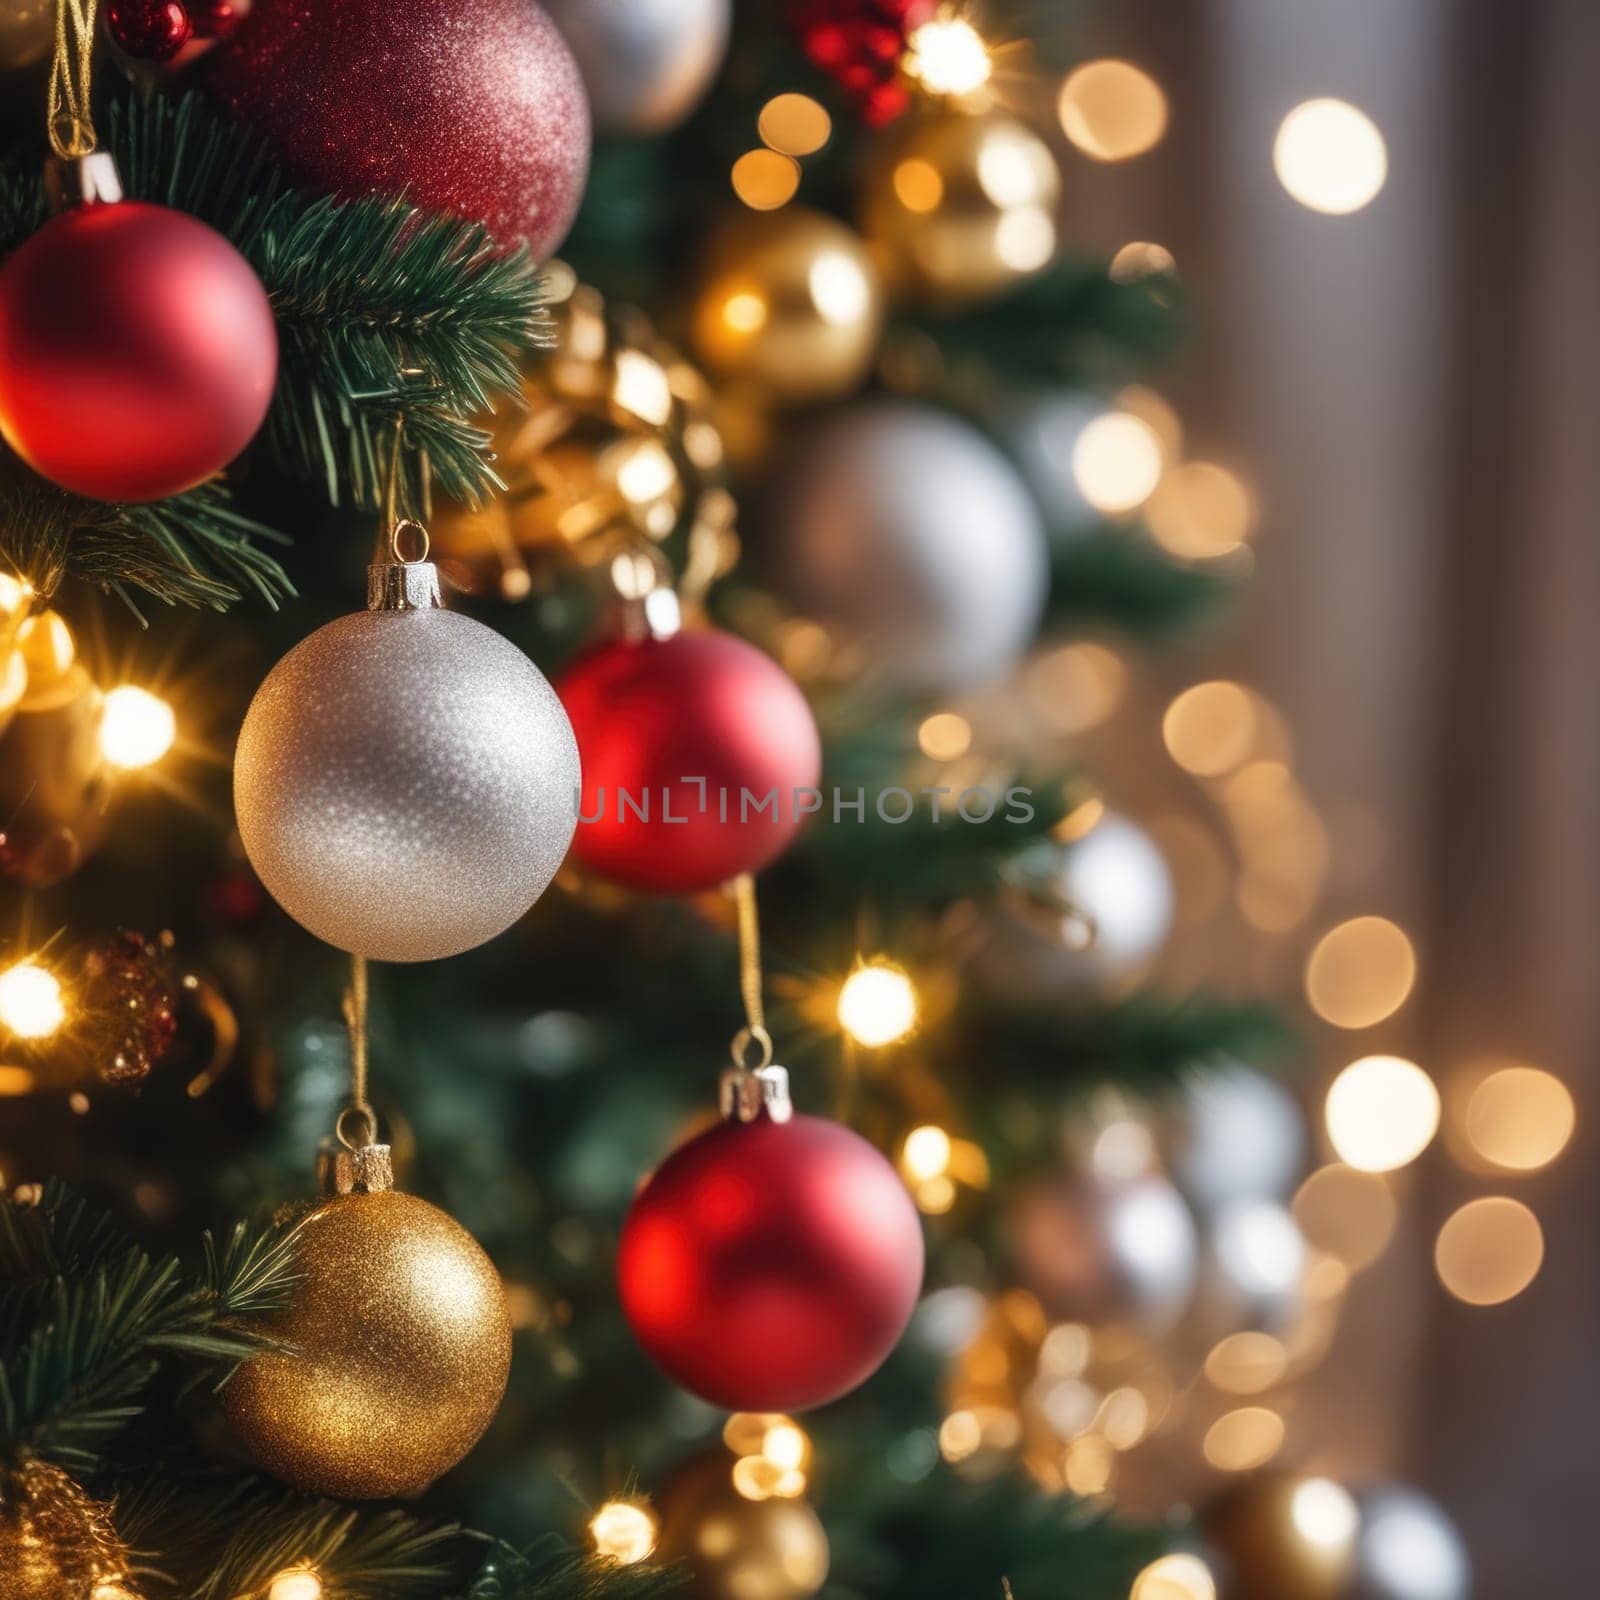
(1324, 1513)
(1200, 511)
(1149, 405)
(959, 1436)
(945, 736)
(839, 288)
(1117, 462)
(1259, 1248)
(31, 1003)
(744, 311)
(14, 594)
(1111, 110)
(794, 125)
(926, 1153)
(1489, 1251)
(877, 1003)
(1347, 1214)
(641, 387)
(295, 1583)
(136, 727)
(1242, 1440)
(13, 679)
(786, 1446)
(947, 56)
(1247, 1363)
(1519, 1118)
(1138, 259)
(765, 179)
(1210, 729)
(1176, 1577)
(46, 645)
(1076, 686)
(1330, 156)
(1382, 1112)
(624, 1531)
(1088, 1465)
(1360, 972)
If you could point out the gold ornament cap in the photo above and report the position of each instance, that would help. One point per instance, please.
(403, 586)
(367, 1169)
(749, 1092)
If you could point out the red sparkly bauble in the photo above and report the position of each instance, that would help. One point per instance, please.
(859, 44)
(149, 30)
(771, 1266)
(467, 106)
(137, 351)
(682, 741)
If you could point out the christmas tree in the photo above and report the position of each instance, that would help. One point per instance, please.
(358, 973)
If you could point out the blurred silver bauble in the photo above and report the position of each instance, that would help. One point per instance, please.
(1110, 1252)
(1253, 1263)
(1407, 1549)
(1237, 1135)
(1043, 430)
(645, 63)
(405, 783)
(1077, 917)
(906, 530)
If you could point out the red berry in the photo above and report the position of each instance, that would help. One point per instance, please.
(150, 30)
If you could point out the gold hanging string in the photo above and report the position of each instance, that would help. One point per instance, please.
(753, 1036)
(355, 1019)
(71, 125)
(402, 538)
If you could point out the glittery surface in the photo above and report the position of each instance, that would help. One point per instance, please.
(402, 1346)
(405, 783)
(466, 106)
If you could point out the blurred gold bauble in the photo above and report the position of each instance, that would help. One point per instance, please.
(1282, 1537)
(788, 303)
(402, 1344)
(735, 1548)
(55, 1542)
(27, 30)
(957, 207)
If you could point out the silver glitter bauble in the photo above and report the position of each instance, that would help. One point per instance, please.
(1111, 1252)
(908, 532)
(1238, 1135)
(645, 63)
(1407, 1549)
(405, 783)
(1077, 917)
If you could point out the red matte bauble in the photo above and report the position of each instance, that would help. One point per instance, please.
(467, 106)
(682, 741)
(771, 1266)
(137, 351)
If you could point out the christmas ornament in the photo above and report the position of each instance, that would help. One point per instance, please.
(27, 30)
(961, 207)
(613, 445)
(1238, 1135)
(645, 63)
(1281, 1537)
(400, 1344)
(474, 108)
(405, 778)
(735, 1548)
(1077, 917)
(149, 30)
(1407, 1549)
(906, 530)
(127, 1006)
(1107, 1251)
(697, 754)
(860, 44)
(55, 1542)
(137, 348)
(788, 302)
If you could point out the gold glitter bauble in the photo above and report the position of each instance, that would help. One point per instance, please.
(735, 1548)
(789, 303)
(958, 208)
(55, 1542)
(401, 1346)
(1283, 1537)
(27, 30)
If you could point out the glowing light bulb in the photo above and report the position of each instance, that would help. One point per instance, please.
(878, 1004)
(31, 1005)
(1323, 1513)
(1175, 1577)
(926, 1153)
(1382, 1112)
(1111, 110)
(785, 1446)
(1117, 462)
(136, 727)
(948, 56)
(1330, 156)
(623, 1531)
(295, 1583)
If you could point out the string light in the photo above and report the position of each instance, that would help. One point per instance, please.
(1489, 1251)
(31, 1003)
(1111, 110)
(1360, 972)
(1210, 729)
(1382, 1112)
(945, 736)
(765, 179)
(1117, 462)
(1176, 1577)
(794, 125)
(1139, 259)
(1323, 1513)
(1200, 511)
(1519, 1118)
(136, 728)
(1242, 1440)
(947, 57)
(1347, 1214)
(877, 1004)
(1330, 156)
(623, 1531)
(926, 1153)
(295, 1583)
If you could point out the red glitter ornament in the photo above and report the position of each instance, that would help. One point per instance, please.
(467, 106)
(859, 44)
(126, 1002)
(137, 351)
(149, 30)
(682, 741)
(771, 1266)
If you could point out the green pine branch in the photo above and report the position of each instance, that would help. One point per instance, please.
(1121, 579)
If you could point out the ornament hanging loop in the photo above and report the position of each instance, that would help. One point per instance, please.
(408, 534)
(401, 577)
(751, 1049)
(754, 1086)
(71, 125)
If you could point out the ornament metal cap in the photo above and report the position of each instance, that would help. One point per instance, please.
(748, 1092)
(82, 180)
(397, 582)
(368, 1169)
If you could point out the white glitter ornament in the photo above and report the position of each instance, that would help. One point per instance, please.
(405, 777)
